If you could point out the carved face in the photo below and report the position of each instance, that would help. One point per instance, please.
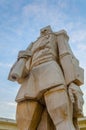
(45, 31)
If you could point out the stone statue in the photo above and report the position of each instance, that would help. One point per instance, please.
(50, 97)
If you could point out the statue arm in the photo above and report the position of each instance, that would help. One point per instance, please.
(19, 71)
(69, 63)
(73, 73)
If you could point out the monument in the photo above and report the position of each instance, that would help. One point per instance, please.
(50, 97)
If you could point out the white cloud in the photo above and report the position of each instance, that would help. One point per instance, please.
(7, 110)
(63, 4)
(82, 46)
(42, 13)
(78, 35)
(11, 104)
(6, 65)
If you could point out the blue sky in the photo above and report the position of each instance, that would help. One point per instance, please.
(20, 23)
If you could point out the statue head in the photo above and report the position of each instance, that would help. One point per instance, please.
(46, 30)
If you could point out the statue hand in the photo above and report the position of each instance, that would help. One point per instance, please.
(76, 97)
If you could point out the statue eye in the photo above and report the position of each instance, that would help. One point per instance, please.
(45, 31)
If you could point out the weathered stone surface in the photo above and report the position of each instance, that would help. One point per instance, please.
(49, 75)
(46, 122)
(72, 71)
(28, 115)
